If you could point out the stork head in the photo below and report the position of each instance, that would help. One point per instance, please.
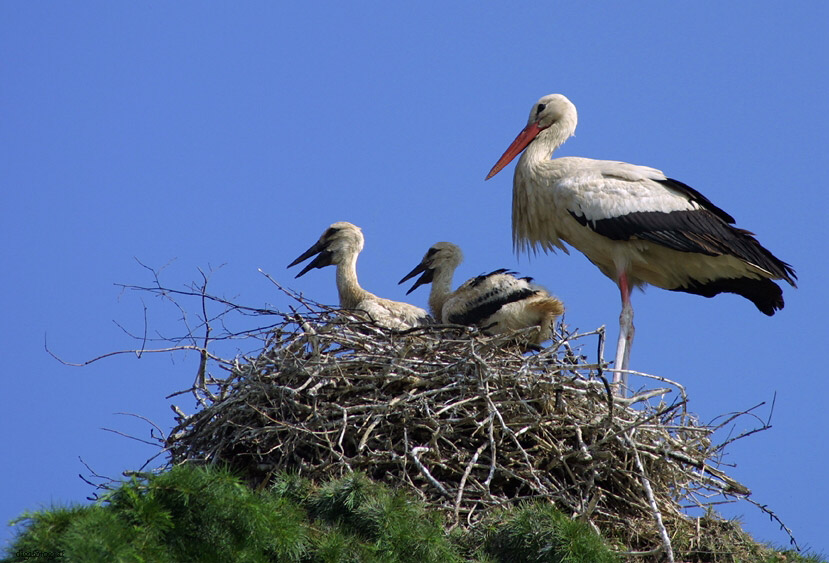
(338, 243)
(442, 255)
(554, 112)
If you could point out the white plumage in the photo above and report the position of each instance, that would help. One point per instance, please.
(340, 245)
(634, 223)
(498, 302)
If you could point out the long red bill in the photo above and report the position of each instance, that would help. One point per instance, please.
(519, 144)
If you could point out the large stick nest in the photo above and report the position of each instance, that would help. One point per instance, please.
(465, 421)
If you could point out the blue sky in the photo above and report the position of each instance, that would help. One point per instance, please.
(192, 135)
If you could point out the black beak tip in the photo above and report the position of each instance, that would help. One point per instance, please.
(420, 268)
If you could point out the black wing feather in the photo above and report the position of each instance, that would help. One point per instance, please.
(478, 280)
(706, 231)
(765, 294)
(486, 305)
(696, 197)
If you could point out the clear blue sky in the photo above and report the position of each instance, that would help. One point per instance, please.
(198, 135)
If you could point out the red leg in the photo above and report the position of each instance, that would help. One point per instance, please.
(626, 331)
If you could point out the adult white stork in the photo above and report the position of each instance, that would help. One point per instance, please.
(341, 244)
(497, 302)
(634, 223)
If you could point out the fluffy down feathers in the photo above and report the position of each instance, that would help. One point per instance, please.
(497, 302)
(340, 245)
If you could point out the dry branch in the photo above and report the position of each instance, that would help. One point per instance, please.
(468, 422)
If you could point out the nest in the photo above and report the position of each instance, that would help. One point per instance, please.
(465, 421)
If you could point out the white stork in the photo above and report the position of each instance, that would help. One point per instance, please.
(341, 244)
(497, 302)
(634, 223)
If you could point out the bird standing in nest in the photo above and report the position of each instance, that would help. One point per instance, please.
(340, 245)
(637, 225)
(497, 302)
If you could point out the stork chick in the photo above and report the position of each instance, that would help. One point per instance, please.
(340, 245)
(497, 302)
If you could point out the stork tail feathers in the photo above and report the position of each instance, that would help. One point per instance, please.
(764, 293)
(547, 306)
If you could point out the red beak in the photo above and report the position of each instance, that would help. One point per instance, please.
(523, 139)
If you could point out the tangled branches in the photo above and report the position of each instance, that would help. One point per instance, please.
(465, 421)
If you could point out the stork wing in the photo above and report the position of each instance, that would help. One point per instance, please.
(669, 213)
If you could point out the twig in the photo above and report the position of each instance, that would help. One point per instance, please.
(415, 454)
(657, 514)
(136, 352)
(130, 437)
(775, 518)
(462, 484)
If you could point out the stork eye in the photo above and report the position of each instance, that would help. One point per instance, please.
(540, 108)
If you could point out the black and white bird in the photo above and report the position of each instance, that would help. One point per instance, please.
(497, 302)
(340, 245)
(635, 224)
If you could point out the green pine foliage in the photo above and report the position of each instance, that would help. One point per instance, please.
(398, 527)
(537, 532)
(46, 529)
(206, 514)
(185, 514)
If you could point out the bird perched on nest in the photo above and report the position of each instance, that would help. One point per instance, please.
(634, 223)
(340, 245)
(497, 302)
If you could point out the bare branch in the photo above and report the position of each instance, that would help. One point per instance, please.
(466, 421)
